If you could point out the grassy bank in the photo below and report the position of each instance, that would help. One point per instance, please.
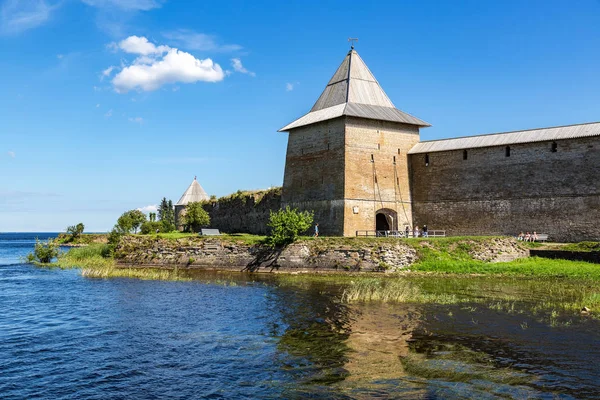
(84, 239)
(96, 262)
(435, 256)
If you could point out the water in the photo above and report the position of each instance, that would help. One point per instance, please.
(63, 336)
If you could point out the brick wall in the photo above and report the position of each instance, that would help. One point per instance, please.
(534, 189)
(376, 172)
(314, 178)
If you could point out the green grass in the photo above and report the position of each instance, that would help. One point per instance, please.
(582, 246)
(234, 237)
(84, 239)
(532, 266)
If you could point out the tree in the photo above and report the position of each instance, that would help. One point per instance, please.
(130, 221)
(166, 215)
(287, 224)
(195, 217)
(150, 227)
(75, 230)
(152, 217)
(43, 252)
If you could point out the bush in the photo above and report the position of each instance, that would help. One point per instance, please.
(43, 252)
(130, 221)
(195, 217)
(149, 227)
(287, 224)
(75, 230)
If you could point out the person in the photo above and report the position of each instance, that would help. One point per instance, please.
(521, 236)
(534, 237)
(527, 237)
(416, 233)
(425, 234)
(406, 231)
(157, 230)
(316, 230)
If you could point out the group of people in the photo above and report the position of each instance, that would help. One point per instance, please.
(528, 237)
(416, 232)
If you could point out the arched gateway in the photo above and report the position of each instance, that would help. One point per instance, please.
(386, 220)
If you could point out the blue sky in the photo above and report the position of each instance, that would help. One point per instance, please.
(109, 105)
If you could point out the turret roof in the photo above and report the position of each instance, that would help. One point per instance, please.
(354, 91)
(193, 193)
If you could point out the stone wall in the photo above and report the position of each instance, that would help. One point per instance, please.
(534, 189)
(327, 255)
(314, 173)
(376, 173)
(348, 168)
(244, 212)
(217, 254)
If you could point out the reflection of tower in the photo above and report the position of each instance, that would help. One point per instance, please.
(347, 158)
(378, 338)
(193, 193)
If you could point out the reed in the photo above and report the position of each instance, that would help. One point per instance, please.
(382, 290)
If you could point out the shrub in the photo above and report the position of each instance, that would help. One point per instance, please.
(287, 224)
(43, 252)
(151, 227)
(130, 221)
(75, 230)
(195, 217)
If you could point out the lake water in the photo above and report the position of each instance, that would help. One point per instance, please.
(236, 336)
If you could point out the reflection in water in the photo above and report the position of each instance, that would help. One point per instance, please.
(257, 336)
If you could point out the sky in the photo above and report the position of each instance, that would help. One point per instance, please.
(110, 105)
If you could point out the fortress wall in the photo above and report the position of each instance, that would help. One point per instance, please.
(532, 190)
(381, 181)
(244, 212)
(314, 173)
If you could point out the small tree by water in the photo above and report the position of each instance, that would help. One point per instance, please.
(43, 252)
(75, 230)
(287, 224)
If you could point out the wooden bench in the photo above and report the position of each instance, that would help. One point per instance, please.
(210, 232)
(542, 237)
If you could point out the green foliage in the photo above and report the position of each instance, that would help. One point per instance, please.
(152, 216)
(582, 246)
(43, 252)
(149, 227)
(166, 215)
(131, 221)
(195, 217)
(75, 230)
(113, 240)
(287, 224)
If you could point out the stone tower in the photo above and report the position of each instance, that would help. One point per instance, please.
(193, 193)
(347, 158)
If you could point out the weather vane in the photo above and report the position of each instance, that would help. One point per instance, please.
(352, 40)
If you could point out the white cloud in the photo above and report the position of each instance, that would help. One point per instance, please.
(236, 63)
(289, 87)
(191, 40)
(141, 5)
(149, 208)
(141, 46)
(107, 72)
(137, 120)
(108, 114)
(153, 68)
(12, 154)
(17, 16)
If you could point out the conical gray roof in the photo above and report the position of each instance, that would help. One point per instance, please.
(354, 91)
(193, 193)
